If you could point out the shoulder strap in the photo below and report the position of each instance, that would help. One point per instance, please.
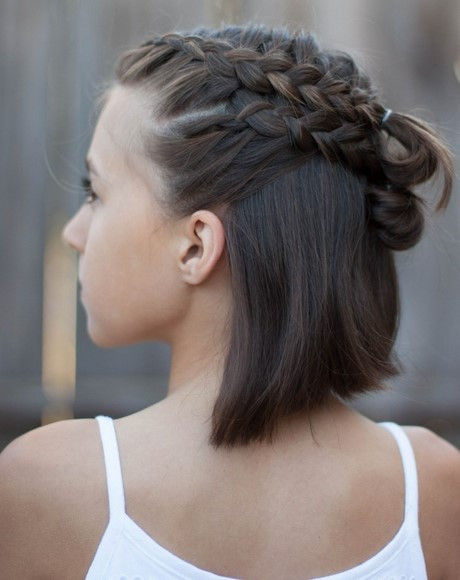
(112, 466)
(410, 471)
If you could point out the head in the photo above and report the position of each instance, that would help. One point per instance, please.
(274, 151)
(139, 267)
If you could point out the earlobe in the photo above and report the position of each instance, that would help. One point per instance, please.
(202, 247)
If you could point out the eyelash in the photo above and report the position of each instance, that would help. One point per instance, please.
(90, 195)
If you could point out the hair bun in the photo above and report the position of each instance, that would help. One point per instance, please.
(397, 215)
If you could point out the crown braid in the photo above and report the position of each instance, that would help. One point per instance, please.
(318, 110)
(235, 89)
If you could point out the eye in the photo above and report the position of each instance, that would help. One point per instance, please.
(90, 195)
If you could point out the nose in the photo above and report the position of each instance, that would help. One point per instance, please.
(75, 231)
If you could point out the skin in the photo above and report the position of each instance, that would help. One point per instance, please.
(262, 511)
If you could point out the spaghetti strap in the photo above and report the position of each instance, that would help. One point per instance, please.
(410, 472)
(112, 466)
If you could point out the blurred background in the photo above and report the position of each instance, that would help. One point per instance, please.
(55, 55)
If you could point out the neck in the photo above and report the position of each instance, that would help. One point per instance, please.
(199, 342)
(197, 364)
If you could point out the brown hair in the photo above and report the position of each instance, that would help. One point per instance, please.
(317, 192)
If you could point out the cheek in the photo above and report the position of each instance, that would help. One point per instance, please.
(132, 291)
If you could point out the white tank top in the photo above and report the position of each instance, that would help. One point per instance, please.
(126, 552)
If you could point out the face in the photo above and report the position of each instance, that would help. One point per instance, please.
(131, 290)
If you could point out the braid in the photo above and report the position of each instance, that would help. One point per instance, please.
(274, 72)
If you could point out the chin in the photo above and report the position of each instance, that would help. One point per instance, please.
(112, 338)
(105, 338)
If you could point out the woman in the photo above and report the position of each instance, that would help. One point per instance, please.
(247, 191)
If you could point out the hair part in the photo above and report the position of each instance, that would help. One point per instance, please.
(317, 194)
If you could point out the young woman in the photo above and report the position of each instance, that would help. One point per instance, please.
(247, 193)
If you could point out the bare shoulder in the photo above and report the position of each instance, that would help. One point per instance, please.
(438, 458)
(438, 466)
(43, 485)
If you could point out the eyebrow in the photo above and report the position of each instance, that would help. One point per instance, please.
(90, 166)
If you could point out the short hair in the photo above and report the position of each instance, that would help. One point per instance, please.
(316, 180)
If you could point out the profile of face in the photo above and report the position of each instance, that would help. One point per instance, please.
(137, 267)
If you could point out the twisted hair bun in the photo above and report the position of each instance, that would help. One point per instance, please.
(409, 156)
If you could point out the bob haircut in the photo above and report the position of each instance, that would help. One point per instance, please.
(313, 180)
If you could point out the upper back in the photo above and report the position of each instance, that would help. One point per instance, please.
(261, 513)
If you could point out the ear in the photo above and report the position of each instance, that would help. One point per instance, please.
(202, 245)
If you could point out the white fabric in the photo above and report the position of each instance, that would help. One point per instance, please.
(126, 552)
